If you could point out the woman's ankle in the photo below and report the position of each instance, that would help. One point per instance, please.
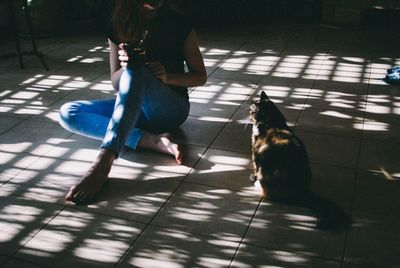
(104, 160)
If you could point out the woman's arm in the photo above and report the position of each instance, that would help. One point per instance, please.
(196, 76)
(115, 64)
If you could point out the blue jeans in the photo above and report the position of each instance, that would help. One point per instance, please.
(143, 103)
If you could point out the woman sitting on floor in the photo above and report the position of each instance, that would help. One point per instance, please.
(149, 43)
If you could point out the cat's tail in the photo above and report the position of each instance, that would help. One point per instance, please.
(330, 216)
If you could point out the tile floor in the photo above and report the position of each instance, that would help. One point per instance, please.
(206, 214)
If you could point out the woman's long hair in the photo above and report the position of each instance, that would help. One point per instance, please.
(127, 20)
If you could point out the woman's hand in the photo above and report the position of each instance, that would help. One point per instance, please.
(159, 71)
(123, 55)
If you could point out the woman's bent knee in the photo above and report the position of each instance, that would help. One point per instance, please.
(68, 113)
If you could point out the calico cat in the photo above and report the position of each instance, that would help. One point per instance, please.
(281, 166)
(280, 161)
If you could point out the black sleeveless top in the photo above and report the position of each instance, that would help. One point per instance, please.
(165, 40)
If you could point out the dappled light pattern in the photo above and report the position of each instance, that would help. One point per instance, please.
(170, 247)
(205, 213)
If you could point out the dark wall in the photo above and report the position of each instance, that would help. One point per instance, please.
(233, 12)
(221, 13)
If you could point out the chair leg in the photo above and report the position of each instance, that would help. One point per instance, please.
(16, 36)
(32, 35)
(30, 26)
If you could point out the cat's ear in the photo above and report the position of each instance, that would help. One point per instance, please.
(264, 96)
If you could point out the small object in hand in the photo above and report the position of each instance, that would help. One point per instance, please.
(137, 55)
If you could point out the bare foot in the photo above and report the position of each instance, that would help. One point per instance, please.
(94, 180)
(162, 144)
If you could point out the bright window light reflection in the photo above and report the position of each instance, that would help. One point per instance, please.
(216, 52)
(243, 53)
(101, 250)
(379, 104)
(213, 119)
(20, 213)
(111, 240)
(191, 214)
(50, 241)
(276, 91)
(229, 160)
(347, 72)
(75, 83)
(327, 68)
(92, 60)
(336, 114)
(210, 62)
(18, 147)
(6, 157)
(97, 48)
(372, 125)
(5, 93)
(235, 64)
(9, 231)
(76, 58)
(213, 262)
(300, 93)
(53, 80)
(340, 99)
(32, 79)
(291, 66)
(224, 163)
(314, 66)
(25, 95)
(157, 260)
(288, 257)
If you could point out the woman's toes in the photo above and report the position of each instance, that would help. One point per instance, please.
(71, 194)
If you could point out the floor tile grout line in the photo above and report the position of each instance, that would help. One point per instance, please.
(181, 183)
(55, 70)
(19, 123)
(338, 261)
(245, 233)
(41, 46)
(96, 77)
(259, 202)
(106, 214)
(25, 261)
(312, 87)
(357, 168)
(239, 106)
(357, 164)
(34, 162)
(149, 223)
(350, 213)
(228, 121)
(253, 90)
(226, 58)
(62, 208)
(32, 116)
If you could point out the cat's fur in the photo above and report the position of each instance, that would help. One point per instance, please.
(280, 161)
(282, 168)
